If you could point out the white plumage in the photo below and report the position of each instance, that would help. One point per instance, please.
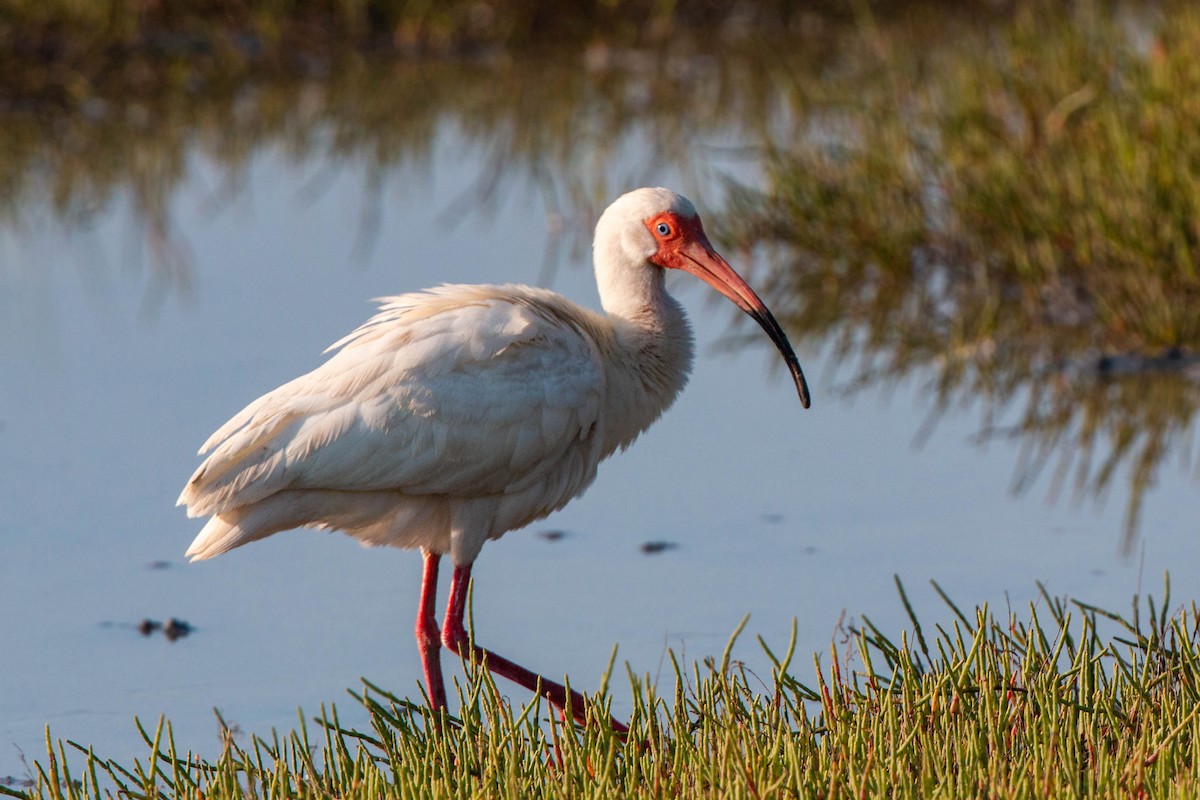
(443, 402)
(457, 414)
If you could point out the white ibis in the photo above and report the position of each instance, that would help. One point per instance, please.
(460, 413)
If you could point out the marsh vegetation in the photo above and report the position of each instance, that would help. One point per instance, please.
(1000, 204)
(1060, 700)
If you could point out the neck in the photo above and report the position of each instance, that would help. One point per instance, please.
(650, 365)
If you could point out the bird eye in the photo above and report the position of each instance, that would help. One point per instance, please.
(663, 229)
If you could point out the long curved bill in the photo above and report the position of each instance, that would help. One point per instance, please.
(706, 264)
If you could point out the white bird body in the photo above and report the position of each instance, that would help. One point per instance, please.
(450, 417)
(457, 414)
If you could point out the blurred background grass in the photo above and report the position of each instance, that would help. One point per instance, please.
(66, 49)
(998, 198)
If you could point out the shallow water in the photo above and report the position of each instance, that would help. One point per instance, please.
(110, 383)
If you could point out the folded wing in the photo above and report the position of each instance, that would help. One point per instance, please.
(460, 391)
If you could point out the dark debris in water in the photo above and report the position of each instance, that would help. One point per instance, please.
(1172, 360)
(656, 547)
(176, 629)
(172, 629)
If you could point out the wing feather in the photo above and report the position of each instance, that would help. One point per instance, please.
(459, 391)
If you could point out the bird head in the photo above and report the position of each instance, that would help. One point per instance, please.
(647, 231)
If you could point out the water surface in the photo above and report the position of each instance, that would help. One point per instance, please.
(118, 361)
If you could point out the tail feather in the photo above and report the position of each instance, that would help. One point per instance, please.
(244, 524)
(373, 518)
(219, 535)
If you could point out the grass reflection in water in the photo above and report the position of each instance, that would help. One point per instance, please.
(1003, 204)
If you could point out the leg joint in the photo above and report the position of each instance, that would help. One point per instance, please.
(428, 635)
(454, 637)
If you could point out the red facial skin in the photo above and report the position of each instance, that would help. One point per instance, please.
(683, 245)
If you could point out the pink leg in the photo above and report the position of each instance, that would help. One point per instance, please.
(428, 635)
(454, 636)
